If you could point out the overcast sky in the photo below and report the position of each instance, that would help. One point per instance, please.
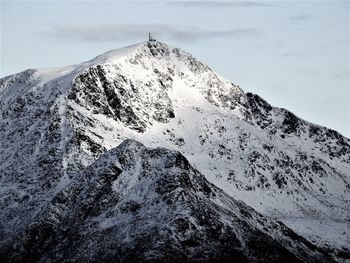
(295, 54)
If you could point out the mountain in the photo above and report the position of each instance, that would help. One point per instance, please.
(57, 122)
(136, 204)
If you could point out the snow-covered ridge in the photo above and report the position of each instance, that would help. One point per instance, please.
(142, 205)
(55, 123)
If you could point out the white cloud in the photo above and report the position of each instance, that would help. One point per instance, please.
(112, 32)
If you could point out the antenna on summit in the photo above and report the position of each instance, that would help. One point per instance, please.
(150, 38)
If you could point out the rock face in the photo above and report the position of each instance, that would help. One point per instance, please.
(136, 204)
(54, 123)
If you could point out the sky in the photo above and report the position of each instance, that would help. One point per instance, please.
(294, 54)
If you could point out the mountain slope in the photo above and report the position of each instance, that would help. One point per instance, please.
(54, 123)
(149, 205)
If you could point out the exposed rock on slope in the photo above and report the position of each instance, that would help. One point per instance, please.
(149, 205)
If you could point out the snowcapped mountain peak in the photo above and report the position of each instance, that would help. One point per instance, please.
(114, 56)
(110, 57)
(54, 123)
(153, 50)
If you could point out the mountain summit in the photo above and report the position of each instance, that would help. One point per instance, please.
(56, 123)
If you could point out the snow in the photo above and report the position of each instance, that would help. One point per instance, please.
(48, 74)
(336, 234)
(195, 115)
(210, 128)
(115, 56)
